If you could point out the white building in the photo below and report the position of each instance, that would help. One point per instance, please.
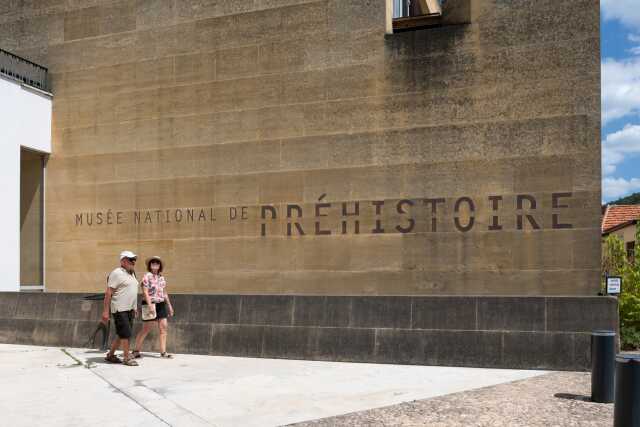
(25, 142)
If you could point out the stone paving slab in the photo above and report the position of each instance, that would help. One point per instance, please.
(554, 399)
(44, 386)
(74, 387)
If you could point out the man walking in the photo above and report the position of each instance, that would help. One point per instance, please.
(121, 300)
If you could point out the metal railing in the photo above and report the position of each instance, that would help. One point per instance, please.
(410, 8)
(23, 70)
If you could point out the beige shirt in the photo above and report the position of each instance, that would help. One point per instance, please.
(125, 290)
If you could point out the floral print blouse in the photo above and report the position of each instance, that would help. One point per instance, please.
(154, 284)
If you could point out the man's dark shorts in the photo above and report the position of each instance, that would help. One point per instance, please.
(124, 323)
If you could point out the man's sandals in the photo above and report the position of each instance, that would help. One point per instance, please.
(112, 359)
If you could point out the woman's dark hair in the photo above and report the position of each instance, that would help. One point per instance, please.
(159, 261)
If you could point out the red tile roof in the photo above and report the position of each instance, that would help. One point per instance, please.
(619, 214)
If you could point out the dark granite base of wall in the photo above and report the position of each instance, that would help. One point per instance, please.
(503, 332)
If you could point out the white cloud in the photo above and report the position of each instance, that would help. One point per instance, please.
(620, 146)
(613, 188)
(634, 38)
(610, 161)
(620, 88)
(627, 11)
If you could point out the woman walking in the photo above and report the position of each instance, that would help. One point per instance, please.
(156, 298)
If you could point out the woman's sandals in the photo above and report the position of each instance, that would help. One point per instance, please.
(135, 354)
(115, 359)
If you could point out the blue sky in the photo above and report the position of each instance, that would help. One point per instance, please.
(620, 32)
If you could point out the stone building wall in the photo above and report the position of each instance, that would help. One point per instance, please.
(454, 160)
(552, 333)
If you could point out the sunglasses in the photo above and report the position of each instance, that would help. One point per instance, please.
(132, 260)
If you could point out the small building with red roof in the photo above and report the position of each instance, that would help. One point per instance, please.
(621, 220)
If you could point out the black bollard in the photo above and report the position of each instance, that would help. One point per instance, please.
(603, 354)
(626, 411)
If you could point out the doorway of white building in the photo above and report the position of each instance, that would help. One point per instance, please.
(32, 167)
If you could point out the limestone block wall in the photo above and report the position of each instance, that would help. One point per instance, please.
(290, 146)
(498, 332)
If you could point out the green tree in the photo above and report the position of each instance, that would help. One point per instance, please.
(633, 199)
(616, 263)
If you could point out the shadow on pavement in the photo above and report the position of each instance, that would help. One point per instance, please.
(98, 361)
(101, 361)
(571, 396)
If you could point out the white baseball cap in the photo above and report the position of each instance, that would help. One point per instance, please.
(127, 254)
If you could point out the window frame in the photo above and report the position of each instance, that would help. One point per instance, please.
(408, 22)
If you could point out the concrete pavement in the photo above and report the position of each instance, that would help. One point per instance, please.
(73, 387)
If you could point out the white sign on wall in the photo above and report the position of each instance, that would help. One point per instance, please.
(614, 285)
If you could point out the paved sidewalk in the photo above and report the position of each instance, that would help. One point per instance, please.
(73, 387)
(554, 399)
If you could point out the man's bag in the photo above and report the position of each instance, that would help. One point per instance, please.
(104, 341)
